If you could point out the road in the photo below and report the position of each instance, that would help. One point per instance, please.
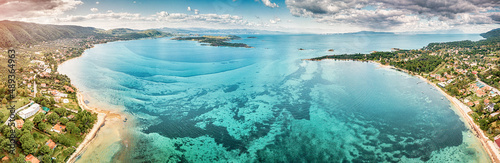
(17, 110)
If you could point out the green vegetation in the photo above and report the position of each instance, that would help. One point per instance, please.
(215, 40)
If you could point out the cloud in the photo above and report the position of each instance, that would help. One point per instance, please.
(94, 9)
(386, 14)
(31, 8)
(160, 17)
(275, 20)
(189, 8)
(268, 3)
(97, 2)
(196, 11)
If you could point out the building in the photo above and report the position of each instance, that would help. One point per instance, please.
(5, 159)
(19, 123)
(45, 110)
(31, 158)
(32, 110)
(497, 141)
(442, 84)
(58, 128)
(490, 107)
(51, 144)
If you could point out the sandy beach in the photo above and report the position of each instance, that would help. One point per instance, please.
(112, 121)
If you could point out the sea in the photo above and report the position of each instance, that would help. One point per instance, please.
(193, 103)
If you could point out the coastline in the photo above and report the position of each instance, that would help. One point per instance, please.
(91, 135)
(489, 146)
(103, 117)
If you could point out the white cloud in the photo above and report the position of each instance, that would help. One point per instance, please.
(275, 20)
(189, 8)
(94, 9)
(390, 14)
(35, 8)
(268, 3)
(196, 11)
(97, 2)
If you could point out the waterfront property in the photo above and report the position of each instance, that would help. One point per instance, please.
(32, 110)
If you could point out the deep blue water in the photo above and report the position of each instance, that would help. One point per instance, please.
(205, 104)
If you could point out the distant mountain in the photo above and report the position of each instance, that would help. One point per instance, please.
(216, 31)
(13, 33)
(371, 32)
(492, 33)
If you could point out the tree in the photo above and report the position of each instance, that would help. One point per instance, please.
(20, 159)
(4, 101)
(28, 143)
(28, 125)
(87, 120)
(52, 118)
(71, 127)
(60, 111)
(46, 159)
(5, 144)
(41, 126)
(45, 149)
(1, 117)
(37, 119)
(63, 120)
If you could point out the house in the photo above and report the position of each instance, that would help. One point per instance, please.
(31, 158)
(486, 101)
(69, 89)
(29, 85)
(5, 159)
(58, 128)
(19, 123)
(71, 116)
(65, 101)
(32, 110)
(442, 84)
(45, 110)
(480, 93)
(497, 141)
(470, 103)
(51, 144)
(490, 107)
(476, 102)
(43, 85)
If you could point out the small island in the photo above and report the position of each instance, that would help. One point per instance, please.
(216, 40)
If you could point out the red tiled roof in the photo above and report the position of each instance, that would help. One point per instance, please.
(59, 127)
(51, 144)
(498, 142)
(31, 158)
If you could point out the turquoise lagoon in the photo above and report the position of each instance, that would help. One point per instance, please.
(196, 103)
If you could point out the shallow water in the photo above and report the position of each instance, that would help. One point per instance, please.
(220, 104)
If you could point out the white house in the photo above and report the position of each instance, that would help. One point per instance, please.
(32, 110)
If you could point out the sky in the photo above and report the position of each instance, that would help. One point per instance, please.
(300, 16)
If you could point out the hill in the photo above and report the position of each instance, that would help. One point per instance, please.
(13, 33)
(492, 33)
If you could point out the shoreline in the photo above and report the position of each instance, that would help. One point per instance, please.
(489, 146)
(102, 117)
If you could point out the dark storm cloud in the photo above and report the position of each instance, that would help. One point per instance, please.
(380, 14)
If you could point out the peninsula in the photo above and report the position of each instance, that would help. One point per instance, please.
(216, 40)
(467, 72)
